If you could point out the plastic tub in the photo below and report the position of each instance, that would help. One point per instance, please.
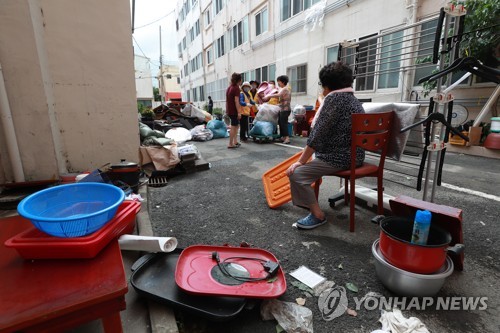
(35, 244)
(72, 210)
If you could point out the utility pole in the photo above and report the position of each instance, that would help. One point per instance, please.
(162, 87)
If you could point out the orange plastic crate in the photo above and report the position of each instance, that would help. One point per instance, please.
(276, 183)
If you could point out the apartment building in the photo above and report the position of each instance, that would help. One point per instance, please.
(386, 43)
(170, 79)
(143, 81)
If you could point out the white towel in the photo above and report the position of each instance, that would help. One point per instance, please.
(147, 244)
(395, 322)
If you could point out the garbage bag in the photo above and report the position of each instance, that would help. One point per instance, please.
(218, 128)
(145, 130)
(262, 128)
(200, 133)
(293, 318)
(192, 111)
(299, 110)
(154, 141)
(268, 112)
(179, 134)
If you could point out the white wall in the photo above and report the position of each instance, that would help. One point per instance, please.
(69, 74)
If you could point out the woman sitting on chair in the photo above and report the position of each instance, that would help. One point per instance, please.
(330, 141)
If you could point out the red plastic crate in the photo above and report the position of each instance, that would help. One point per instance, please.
(35, 244)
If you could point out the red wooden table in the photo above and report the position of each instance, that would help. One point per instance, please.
(55, 295)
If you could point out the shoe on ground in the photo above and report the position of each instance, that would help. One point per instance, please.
(310, 222)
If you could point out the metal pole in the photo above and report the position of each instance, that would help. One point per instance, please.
(445, 105)
(162, 93)
(433, 130)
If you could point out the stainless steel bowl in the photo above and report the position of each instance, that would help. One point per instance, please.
(406, 283)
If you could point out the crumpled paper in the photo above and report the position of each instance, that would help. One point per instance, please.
(394, 322)
(292, 317)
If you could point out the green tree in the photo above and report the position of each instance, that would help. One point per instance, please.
(156, 93)
(482, 20)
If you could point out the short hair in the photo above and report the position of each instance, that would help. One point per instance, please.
(336, 75)
(235, 78)
(283, 78)
(209, 97)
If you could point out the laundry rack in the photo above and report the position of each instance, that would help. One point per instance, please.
(405, 171)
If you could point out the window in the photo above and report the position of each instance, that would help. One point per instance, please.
(290, 8)
(197, 28)
(208, 18)
(332, 54)
(265, 73)
(220, 49)
(390, 60)
(286, 9)
(217, 89)
(261, 22)
(218, 5)
(297, 6)
(202, 93)
(425, 46)
(210, 55)
(245, 76)
(365, 64)
(298, 78)
(310, 3)
(179, 47)
(179, 80)
(272, 72)
(239, 33)
(195, 94)
(184, 43)
(191, 34)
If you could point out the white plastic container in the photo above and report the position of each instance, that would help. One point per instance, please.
(495, 125)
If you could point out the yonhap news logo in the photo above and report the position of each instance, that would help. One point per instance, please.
(333, 303)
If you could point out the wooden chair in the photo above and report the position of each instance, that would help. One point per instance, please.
(371, 132)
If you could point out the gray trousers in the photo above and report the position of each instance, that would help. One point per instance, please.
(302, 178)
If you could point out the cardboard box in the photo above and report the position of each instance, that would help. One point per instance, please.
(474, 136)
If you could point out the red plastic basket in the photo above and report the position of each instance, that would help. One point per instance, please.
(35, 244)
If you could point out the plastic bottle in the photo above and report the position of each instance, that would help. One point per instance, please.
(421, 226)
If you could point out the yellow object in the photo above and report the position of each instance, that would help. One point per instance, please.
(245, 110)
(456, 140)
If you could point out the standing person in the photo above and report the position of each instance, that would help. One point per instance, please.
(246, 103)
(285, 97)
(330, 140)
(210, 105)
(253, 91)
(233, 109)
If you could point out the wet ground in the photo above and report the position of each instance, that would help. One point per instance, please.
(226, 205)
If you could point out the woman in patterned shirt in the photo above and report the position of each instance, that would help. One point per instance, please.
(285, 97)
(330, 141)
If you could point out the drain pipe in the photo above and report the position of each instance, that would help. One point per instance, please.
(408, 72)
(10, 133)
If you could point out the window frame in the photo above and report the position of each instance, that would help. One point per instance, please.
(295, 83)
(207, 17)
(371, 61)
(260, 22)
(380, 60)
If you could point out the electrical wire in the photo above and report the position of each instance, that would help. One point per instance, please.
(161, 18)
(224, 271)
